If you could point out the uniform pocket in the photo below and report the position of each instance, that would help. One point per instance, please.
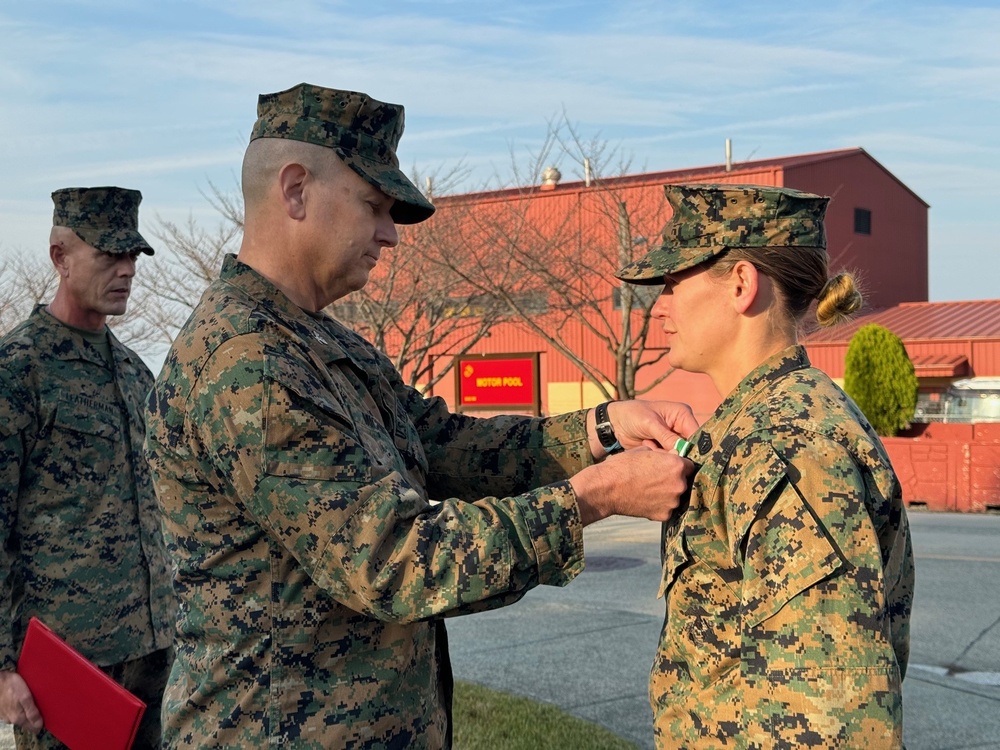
(675, 556)
(786, 553)
(308, 433)
(752, 476)
(701, 631)
(97, 418)
(81, 448)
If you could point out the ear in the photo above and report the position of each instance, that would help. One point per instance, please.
(745, 282)
(292, 179)
(58, 254)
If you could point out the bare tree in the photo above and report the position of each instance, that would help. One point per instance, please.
(24, 283)
(413, 308)
(418, 311)
(188, 258)
(553, 272)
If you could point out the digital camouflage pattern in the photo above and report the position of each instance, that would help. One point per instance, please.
(106, 218)
(709, 219)
(296, 473)
(80, 540)
(788, 578)
(363, 131)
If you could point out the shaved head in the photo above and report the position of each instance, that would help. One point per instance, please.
(65, 237)
(265, 157)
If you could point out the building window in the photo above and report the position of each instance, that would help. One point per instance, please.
(862, 221)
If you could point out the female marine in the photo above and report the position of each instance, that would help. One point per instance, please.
(789, 578)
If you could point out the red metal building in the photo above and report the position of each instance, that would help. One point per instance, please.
(876, 226)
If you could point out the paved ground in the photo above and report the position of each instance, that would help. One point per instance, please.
(588, 647)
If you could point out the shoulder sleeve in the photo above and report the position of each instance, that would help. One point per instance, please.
(469, 457)
(16, 426)
(17, 403)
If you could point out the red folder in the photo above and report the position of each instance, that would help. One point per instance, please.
(83, 707)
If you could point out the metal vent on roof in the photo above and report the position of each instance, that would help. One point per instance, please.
(551, 177)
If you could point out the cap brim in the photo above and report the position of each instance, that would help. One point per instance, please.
(656, 264)
(411, 207)
(114, 241)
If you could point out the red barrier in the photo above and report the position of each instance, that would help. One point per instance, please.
(952, 467)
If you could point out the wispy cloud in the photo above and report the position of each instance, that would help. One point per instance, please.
(146, 167)
(164, 94)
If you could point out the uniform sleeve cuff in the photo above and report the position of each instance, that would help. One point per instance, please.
(553, 521)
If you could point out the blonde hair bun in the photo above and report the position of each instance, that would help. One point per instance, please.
(838, 300)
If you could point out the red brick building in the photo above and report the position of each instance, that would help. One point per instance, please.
(943, 466)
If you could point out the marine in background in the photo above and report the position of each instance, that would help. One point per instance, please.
(81, 546)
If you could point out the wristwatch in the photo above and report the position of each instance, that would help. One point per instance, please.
(605, 432)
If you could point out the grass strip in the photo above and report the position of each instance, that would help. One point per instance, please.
(489, 720)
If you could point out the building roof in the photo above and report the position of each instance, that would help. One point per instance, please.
(689, 174)
(975, 319)
(940, 365)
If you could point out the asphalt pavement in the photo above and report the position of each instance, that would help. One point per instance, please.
(588, 647)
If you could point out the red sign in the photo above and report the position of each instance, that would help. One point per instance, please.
(497, 382)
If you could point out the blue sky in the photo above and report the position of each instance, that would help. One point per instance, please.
(160, 96)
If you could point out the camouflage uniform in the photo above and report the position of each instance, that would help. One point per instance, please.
(788, 579)
(297, 474)
(80, 540)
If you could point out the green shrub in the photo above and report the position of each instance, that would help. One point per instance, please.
(878, 375)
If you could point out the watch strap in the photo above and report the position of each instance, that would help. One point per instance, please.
(605, 430)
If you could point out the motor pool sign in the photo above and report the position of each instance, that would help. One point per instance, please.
(492, 382)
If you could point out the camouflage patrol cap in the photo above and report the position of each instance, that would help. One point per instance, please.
(106, 218)
(363, 131)
(709, 219)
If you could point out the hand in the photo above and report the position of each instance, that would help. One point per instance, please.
(643, 482)
(17, 707)
(650, 423)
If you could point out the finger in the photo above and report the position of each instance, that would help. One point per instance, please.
(32, 716)
(678, 422)
(685, 423)
(666, 438)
